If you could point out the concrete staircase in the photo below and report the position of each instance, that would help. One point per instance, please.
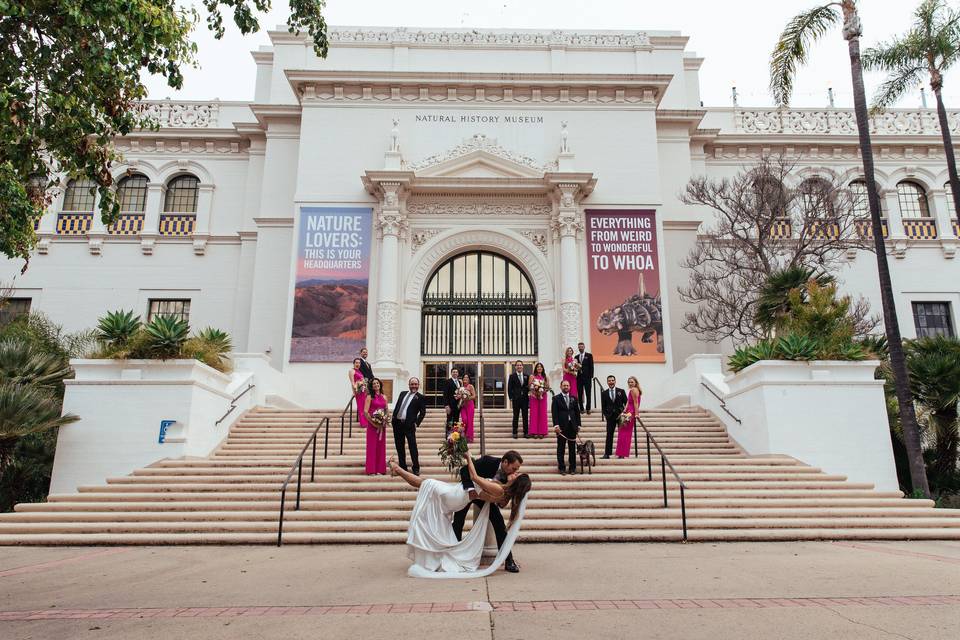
(233, 496)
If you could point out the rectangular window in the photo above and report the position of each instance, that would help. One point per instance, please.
(169, 307)
(13, 308)
(932, 319)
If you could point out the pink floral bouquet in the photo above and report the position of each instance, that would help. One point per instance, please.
(462, 395)
(378, 418)
(624, 418)
(573, 367)
(360, 386)
(539, 388)
(453, 451)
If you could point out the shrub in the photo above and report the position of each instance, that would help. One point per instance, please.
(166, 335)
(118, 327)
(22, 363)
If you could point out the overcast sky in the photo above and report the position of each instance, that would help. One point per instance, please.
(734, 37)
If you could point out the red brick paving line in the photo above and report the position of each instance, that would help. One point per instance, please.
(458, 607)
(896, 552)
(43, 566)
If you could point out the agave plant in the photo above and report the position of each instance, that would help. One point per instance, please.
(217, 339)
(20, 363)
(166, 335)
(796, 346)
(209, 346)
(26, 409)
(118, 327)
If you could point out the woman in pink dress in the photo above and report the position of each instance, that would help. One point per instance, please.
(355, 376)
(625, 430)
(538, 402)
(376, 433)
(569, 371)
(468, 407)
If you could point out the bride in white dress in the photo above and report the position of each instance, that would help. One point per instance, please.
(431, 541)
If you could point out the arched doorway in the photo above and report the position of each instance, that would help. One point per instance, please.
(479, 313)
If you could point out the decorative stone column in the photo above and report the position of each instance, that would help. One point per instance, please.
(567, 223)
(151, 217)
(891, 211)
(392, 222)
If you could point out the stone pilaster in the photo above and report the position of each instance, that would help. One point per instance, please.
(567, 223)
(391, 222)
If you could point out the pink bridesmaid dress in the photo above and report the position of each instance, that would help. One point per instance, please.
(466, 414)
(625, 431)
(570, 377)
(361, 397)
(376, 440)
(538, 412)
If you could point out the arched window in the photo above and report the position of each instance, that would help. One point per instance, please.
(181, 196)
(858, 196)
(770, 195)
(913, 200)
(817, 198)
(479, 303)
(80, 196)
(132, 194)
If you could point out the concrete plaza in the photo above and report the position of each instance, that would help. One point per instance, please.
(736, 590)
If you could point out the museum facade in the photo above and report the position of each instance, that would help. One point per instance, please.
(462, 198)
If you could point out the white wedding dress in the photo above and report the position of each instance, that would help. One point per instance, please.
(432, 544)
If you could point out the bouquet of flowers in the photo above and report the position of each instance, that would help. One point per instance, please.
(573, 367)
(454, 448)
(539, 388)
(462, 395)
(624, 418)
(360, 386)
(378, 418)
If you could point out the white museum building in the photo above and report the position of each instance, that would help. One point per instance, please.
(465, 198)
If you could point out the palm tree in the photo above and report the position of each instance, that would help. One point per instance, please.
(25, 409)
(792, 50)
(931, 46)
(934, 364)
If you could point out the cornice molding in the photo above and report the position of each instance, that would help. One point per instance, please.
(323, 87)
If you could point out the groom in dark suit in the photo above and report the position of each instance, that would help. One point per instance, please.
(612, 403)
(408, 413)
(494, 469)
(566, 424)
(519, 393)
(450, 403)
(584, 377)
(365, 367)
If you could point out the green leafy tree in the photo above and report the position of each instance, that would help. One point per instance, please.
(25, 410)
(774, 304)
(792, 50)
(70, 81)
(928, 49)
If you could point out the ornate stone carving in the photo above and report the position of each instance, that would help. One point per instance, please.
(460, 208)
(520, 251)
(174, 146)
(387, 331)
(536, 238)
(476, 142)
(486, 38)
(391, 219)
(395, 135)
(182, 115)
(841, 122)
(420, 236)
(569, 324)
(564, 143)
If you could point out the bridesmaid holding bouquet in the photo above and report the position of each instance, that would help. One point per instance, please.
(629, 417)
(538, 402)
(570, 369)
(359, 387)
(468, 407)
(375, 421)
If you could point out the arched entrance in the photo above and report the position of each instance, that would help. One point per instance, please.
(479, 312)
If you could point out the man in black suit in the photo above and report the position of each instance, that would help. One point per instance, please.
(450, 403)
(566, 424)
(518, 390)
(408, 413)
(365, 367)
(612, 403)
(494, 469)
(584, 376)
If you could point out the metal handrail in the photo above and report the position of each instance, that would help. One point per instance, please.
(298, 465)
(664, 463)
(343, 415)
(233, 404)
(597, 397)
(723, 403)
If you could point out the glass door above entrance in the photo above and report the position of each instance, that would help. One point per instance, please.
(488, 378)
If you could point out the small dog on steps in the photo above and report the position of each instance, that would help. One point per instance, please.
(588, 455)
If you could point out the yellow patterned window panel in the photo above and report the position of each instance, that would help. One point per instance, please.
(176, 224)
(128, 224)
(920, 229)
(824, 229)
(74, 224)
(781, 229)
(865, 228)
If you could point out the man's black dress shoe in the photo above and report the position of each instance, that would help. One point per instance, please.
(606, 457)
(511, 566)
(514, 436)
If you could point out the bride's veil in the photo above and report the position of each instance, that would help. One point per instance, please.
(416, 571)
